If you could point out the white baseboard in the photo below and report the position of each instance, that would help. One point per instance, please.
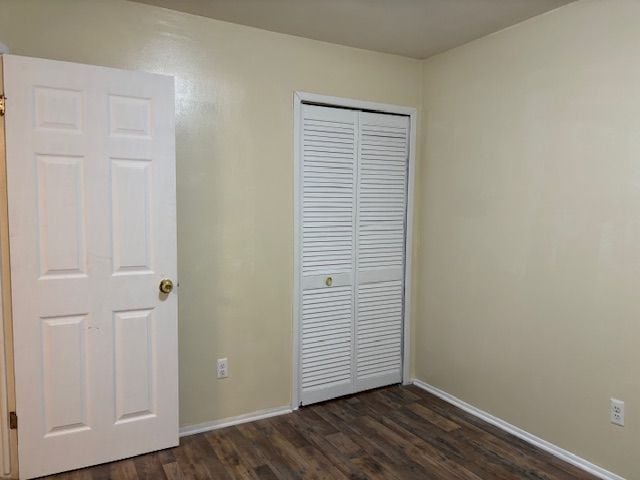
(228, 422)
(522, 434)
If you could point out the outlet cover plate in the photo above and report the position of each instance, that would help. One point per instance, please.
(617, 412)
(223, 368)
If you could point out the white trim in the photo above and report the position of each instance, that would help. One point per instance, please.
(5, 440)
(412, 113)
(353, 103)
(9, 440)
(230, 421)
(556, 451)
(297, 273)
(408, 253)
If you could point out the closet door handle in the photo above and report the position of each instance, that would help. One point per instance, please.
(328, 282)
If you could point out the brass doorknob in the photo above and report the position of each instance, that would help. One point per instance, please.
(166, 285)
(328, 282)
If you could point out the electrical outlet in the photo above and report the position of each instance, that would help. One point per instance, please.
(617, 412)
(223, 368)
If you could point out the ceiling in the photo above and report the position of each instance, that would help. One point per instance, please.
(413, 28)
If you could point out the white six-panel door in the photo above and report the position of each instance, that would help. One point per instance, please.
(353, 215)
(92, 220)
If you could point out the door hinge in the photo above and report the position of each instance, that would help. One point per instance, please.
(2, 104)
(13, 420)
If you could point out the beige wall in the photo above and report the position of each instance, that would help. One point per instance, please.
(235, 170)
(529, 227)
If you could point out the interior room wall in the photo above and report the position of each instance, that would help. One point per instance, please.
(529, 227)
(234, 104)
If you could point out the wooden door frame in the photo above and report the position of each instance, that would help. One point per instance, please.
(304, 97)
(8, 437)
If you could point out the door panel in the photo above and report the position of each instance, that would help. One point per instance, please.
(91, 186)
(65, 374)
(379, 334)
(61, 213)
(327, 343)
(134, 349)
(130, 204)
(382, 206)
(329, 150)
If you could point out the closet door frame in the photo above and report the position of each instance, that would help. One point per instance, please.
(300, 98)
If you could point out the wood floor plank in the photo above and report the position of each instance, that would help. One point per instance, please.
(344, 443)
(432, 417)
(172, 471)
(339, 458)
(148, 467)
(440, 468)
(452, 448)
(101, 472)
(281, 468)
(195, 462)
(302, 464)
(393, 433)
(123, 470)
(250, 456)
(264, 472)
(376, 447)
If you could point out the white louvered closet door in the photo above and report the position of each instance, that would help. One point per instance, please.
(329, 157)
(381, 217)
(354, 177)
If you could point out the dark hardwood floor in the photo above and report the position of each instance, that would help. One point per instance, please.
(397, 432)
